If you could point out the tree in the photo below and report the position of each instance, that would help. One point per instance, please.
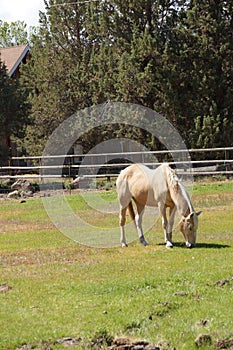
(63, 70)
(13, 34)
(85, 60)
(173, 56)
(198, 91)
(215, 71)
(13, 113)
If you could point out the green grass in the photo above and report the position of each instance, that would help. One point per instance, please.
(61, 289)
(215, 187)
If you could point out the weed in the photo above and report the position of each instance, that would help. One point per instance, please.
(101, 338)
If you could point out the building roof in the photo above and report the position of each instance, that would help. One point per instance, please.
(13, 56)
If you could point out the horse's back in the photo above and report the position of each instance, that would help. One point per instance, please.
(132, 182)
(145, 185)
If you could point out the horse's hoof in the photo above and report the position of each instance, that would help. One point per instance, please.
(124, 245)
(143, 241)
(188, 245)
(169, 245)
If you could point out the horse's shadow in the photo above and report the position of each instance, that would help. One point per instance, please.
(201, 245)
(212, 245)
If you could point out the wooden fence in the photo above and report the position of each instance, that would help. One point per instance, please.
(219, 162)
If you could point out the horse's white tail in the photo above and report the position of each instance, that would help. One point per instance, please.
(124, 195)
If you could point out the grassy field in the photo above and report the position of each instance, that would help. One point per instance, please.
(52, 288)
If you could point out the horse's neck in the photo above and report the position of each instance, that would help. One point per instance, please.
(178, 193)
(184, 205)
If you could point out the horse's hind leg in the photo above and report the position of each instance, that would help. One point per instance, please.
(122, 225)
(124, 197)
(138, 222)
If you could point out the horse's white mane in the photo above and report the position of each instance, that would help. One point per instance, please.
(172, 178)
(186, 196)
(175, 184)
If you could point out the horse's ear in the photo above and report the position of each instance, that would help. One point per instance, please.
(191, 215)
(199, 212)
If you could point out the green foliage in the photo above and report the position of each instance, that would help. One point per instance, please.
(172, 56)
(13, 34)
(13, 113)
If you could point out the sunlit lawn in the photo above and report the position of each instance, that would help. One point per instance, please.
(61, 289)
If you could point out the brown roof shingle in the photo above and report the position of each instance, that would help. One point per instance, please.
(13, 56)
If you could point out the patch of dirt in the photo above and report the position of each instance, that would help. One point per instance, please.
(224, 344)
(42, 256)
(69, 342)
(180, 294)
(123, 343)
(203, 340)
(129, 344)
(5, 288)
(222, 283)
(9, 226)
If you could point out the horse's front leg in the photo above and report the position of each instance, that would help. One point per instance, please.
(122, 226)
(172, 212)
(167, 235)
(138, 222)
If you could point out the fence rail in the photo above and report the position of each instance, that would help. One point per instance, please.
(71, 164)
(191, 150)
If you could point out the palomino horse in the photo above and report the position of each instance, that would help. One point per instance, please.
(157, 188)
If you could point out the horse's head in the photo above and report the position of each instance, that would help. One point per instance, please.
(188, 226)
